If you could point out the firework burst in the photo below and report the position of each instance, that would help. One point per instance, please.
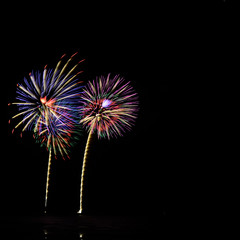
(47, 104)
(110, 108)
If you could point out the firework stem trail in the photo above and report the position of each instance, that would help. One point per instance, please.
(83, 169)
(48, 104)
(48, 173)
(110, 107)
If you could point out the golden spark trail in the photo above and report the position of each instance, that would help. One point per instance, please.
(48, 173)
(23, 103)
(35, 115)
(68, 96)
(83, 170)
(63, 69)
(34, 83)
(26, 91)
(23, 120)
(66, 76)
(24, 112)
(55, 71)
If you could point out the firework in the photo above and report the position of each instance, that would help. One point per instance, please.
(110, 108)
(47, 104)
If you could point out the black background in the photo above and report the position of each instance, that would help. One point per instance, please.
(151, 45)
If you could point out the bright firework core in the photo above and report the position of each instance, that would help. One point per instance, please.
(43, 100)
(106, 103)
(48, 103)
(99, 106)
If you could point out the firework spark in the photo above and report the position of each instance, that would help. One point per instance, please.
(110, 108)
(47, 103)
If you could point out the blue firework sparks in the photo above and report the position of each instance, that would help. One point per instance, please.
(47, 102)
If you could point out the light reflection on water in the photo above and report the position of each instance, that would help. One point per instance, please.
(83, 236)
(68, 236)
(58, 235)
(74, 228)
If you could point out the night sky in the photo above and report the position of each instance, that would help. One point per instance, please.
(134, 174)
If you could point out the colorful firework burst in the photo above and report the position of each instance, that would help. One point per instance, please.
(110, 106)
(48, 103)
